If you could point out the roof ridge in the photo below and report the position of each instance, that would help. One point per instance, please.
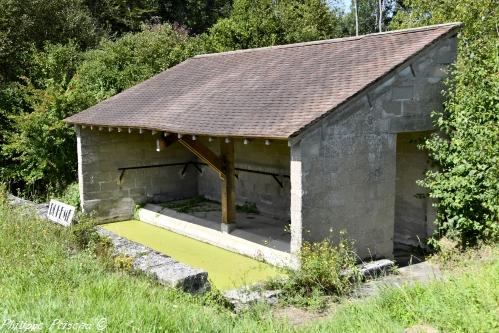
(329, 41)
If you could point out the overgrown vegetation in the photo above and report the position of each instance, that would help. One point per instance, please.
(467, 301)
(71, 195)
(201, 204)
(327, 269)
(466, 148)
(44, 266)
(191, 205)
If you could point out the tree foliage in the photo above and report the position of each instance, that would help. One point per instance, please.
(267, 22)
(466, 148)
(39, 152)
(118, 65)
(29, 24)
(122, 16)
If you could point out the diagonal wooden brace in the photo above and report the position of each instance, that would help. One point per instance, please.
(224, 166)
(204, 153)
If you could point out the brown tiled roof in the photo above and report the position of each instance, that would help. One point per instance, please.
(267, 92)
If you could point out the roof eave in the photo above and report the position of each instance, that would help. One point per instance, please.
(157, 129)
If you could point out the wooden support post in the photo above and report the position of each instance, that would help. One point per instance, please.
(228, 188)
(223, 165)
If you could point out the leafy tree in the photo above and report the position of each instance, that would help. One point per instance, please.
(479, 18)
(28, 24)
(118, 65)
(309, 20)
(121, 16)
(251, 24)
(39, 154)
(466, 147)
(196, 15)
(36, 154)
(267, 22)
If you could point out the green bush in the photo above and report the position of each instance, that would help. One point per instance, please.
(466, 146)
(71, 195)
(327, 269)
(83, 234)
(466, 185)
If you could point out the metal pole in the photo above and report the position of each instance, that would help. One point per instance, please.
(356, 18)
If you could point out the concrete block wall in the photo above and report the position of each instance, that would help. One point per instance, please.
(101, 153)
(348, 160)
(261, 190)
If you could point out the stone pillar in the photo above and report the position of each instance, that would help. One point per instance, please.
(296, 204)
(80, 165)
(228, 190)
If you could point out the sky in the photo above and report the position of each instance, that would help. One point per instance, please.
(344, 4)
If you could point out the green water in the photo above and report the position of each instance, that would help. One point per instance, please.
(226, 269)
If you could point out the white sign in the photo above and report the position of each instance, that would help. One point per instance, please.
(60, 212)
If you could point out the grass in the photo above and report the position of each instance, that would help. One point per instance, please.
(466, 303)
(226, 269)
(45, 278)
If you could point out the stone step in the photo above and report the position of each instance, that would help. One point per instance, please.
(243, 297)
(376, 268)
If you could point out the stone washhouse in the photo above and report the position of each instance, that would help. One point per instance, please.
(319, 137)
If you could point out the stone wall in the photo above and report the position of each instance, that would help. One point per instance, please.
(101, 153)
(348, 160)
(259, 189)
